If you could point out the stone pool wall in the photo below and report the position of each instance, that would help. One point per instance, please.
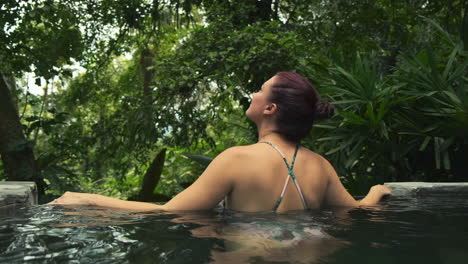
(429, 189)
(16, 194)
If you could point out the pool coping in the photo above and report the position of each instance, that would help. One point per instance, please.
(426, 189)
(18, 194)
(15, 195)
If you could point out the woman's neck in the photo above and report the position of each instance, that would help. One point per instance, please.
(273, 137)
(268, 136)
(267, 131)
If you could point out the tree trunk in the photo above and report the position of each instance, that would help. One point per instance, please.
(152, 177)
(146, 61)
(15, 151)
(11, 85)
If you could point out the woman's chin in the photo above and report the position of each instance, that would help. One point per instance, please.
(249, 115)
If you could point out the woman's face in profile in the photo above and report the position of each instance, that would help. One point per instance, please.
(260, 100)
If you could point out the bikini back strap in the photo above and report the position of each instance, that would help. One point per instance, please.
(290, 175)
(282, 155)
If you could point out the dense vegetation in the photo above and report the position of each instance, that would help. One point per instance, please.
(160, 79)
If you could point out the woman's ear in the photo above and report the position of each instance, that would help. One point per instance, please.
(270, 109)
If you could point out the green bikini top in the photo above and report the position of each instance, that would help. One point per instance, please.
(290, 175)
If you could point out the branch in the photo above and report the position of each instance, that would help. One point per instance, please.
(44, 101)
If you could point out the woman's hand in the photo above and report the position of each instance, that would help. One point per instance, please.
(380, 190)
(73, 198)
(375, 194)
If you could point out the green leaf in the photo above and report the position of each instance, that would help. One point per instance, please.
(370, 112)
(201, 159)
(453, 97)
(349, 101)
(331, 138)
(324, 126)
(340, 147)
(446, 159)
(424, 144)
(448, 67)
(437, 151)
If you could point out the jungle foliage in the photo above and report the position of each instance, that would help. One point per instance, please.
(163, 80)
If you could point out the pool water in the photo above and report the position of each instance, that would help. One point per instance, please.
(400, 230)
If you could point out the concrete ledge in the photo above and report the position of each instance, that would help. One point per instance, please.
(429, 189)
(16, 194)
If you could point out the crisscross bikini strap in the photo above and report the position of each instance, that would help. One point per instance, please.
(290, 175)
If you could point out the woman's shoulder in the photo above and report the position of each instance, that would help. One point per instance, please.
(250, 151)
(312, 154)
(258, 149)
(245, 153)
(237, 152)
(237, 159)
(318, 161)
(252, 148)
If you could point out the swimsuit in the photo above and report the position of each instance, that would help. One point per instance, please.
(290, 175)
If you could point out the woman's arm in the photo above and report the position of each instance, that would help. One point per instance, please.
(96, 200)
(336, 194)
(205, 193)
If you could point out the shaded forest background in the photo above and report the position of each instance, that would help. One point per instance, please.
(130, 87)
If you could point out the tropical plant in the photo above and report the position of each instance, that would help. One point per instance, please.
(360, 140)
(405, 126)
(437, 85)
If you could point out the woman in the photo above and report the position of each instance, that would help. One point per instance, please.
(274, 174)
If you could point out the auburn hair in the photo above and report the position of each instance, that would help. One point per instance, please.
(299, 105)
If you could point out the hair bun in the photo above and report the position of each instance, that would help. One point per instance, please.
(323, 110)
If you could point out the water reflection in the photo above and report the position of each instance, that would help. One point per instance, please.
(296, 237)
(432, 230)
(267, 237)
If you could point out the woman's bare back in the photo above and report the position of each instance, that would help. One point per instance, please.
(259, 184)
